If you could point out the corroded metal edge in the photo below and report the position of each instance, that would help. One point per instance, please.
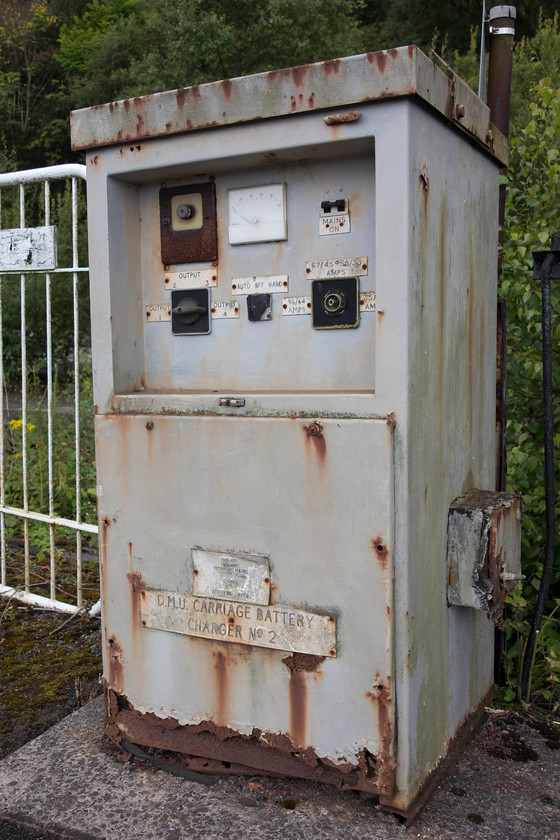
(404, 71)
(210, 748)
(456, 745)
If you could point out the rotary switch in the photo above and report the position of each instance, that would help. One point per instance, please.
(190, 312)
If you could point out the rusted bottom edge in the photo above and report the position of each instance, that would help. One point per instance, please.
(209, 748)
(456, 745)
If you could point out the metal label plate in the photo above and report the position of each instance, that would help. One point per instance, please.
(239, 577)
(26, 249)
(296, 306)
(225, 309)
(195, 279)
(334, 225)
(367, 302)
(251, 285)
(158, 312)
(344, 267)
(277, 627)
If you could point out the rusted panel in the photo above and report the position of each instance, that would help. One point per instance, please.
(484, 562)
(188, 246)
(338, 83)
(303, 662)
(260, 752)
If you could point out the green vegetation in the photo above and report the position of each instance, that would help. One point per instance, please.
(50, 659)
(64, 489)
(533, 215)
(56, 55)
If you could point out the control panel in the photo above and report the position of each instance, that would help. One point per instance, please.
(266, 277)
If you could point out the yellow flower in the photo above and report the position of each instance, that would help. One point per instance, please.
(30, 427)
(16, 424)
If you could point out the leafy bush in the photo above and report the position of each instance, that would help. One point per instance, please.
(532, 216)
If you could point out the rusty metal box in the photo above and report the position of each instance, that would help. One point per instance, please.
(274, 491)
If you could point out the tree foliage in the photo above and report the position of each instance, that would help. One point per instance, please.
(123, 48)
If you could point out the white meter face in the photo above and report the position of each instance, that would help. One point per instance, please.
(257, 214)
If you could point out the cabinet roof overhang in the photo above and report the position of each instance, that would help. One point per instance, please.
(325, 85)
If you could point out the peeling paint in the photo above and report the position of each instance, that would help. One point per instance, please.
(273, 753)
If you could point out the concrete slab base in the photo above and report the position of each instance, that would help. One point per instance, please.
(68, 783)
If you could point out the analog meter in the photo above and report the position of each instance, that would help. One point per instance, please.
(257, 214)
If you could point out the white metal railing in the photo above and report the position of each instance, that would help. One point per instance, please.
(73, 173)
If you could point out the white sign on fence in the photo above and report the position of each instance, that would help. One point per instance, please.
(28, 249)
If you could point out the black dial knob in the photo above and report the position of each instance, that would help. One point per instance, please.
(186, 211)
(188, 311)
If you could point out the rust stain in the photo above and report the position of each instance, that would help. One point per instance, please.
(195, 91)
(381, 551)
(293, 103)
(424, 184)
(450, 102)
(226, 86)
(381, 61)
(394, 53)
(134, 577)
(115, 654)
(137, 591)
(104, 526)
(140, 126)
(168, 127)
(180, 97)
(273, 75)
(222, 686)
(303, 662)
(298, 707)
(411, 51)
(127, 105)
(299, 74)
(314, 433)
(311, 101)
(332, 66)
(380, 694)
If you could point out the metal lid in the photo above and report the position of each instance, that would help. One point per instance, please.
(502, 12)
(343, 82)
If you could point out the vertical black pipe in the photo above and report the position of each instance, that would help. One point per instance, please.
(500, 65)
